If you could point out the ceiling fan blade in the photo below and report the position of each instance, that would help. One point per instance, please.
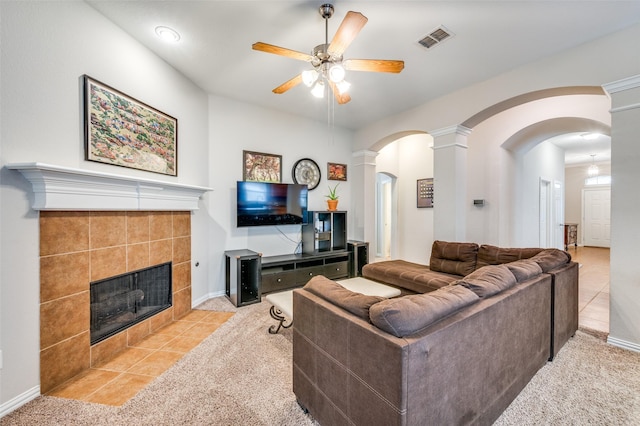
(288, 84)
(347, 32)
(374, 65)
(277, 50)
(341, 98)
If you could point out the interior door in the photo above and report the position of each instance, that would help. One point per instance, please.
(544, 213)
(558, 215)
(596, 217)
(384, 215)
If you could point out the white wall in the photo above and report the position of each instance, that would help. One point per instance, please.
(409, 159)
(46, 48)
(544, 162)
(236, 126)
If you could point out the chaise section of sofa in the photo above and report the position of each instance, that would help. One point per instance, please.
(408, 276)
(462, 366)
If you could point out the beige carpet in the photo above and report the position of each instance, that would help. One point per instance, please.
(241, 375)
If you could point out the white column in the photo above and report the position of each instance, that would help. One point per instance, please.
(362, 216)
(450, 183)
(624, 322)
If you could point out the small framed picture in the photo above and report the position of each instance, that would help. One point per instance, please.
(261, 167)
(425, 193)
(336, 171)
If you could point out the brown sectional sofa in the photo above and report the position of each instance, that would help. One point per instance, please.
(453, 349)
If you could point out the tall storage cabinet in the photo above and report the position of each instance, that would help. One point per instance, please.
(243, 276)
(324, 231)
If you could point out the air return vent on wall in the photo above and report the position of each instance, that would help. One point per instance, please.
(436, 37)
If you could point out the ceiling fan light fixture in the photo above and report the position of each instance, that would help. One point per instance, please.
(593, 168)
(309, 77)
(318, 89)
(590, 136)
(343, 86)
(336, 73)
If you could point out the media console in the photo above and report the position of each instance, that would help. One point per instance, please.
(294, 270)
(326, 251)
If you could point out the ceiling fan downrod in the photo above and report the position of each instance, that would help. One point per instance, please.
(326, 11)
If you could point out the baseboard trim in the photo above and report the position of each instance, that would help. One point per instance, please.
(207, 297)
(623, 344)
(17, 402)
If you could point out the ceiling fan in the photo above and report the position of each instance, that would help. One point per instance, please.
(328, 65)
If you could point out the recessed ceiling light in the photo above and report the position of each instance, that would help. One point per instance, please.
(590, 136)
(168, 34)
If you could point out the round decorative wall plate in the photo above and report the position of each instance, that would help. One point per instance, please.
(306, 171)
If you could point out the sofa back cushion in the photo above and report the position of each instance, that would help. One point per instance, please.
(549, 259)
(524, 269)
(406, 315)
(356, 303)
(453, 258)
(488, 280)
(492, 255)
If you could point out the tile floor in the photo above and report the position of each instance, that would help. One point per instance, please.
(593, 289)
(116, 381)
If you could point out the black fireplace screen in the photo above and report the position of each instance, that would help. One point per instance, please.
(122, 301)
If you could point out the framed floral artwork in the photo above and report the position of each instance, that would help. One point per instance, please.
(336, 171)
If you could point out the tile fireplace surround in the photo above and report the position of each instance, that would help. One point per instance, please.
(79, 247)
(96, 225)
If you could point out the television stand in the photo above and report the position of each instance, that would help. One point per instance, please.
(295, 270)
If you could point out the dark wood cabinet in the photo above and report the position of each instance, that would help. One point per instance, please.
(243, 276)
(295, 270)
(324, 231)
(360, 256)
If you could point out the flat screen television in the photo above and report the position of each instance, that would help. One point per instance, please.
(265, 204)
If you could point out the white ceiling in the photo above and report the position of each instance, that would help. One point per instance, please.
(490, 37)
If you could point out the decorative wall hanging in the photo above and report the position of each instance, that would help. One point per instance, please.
(261, 167)
(425, 193)
(336, 171)
(306, 171)
(123, 131)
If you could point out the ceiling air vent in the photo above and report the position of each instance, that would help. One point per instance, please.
(436, 37)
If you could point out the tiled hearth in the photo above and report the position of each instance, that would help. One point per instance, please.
(78, 247)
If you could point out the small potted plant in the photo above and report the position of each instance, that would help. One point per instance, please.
(332, 202)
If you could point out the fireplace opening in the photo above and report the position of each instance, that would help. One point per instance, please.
(119, 302)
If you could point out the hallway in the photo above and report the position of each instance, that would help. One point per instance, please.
(593, 289)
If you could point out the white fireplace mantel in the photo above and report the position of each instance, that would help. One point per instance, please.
(64, 188)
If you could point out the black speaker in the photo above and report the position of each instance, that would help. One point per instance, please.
(359, 257)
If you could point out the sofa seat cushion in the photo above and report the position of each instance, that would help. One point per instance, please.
(524, 269)
(492, 255)
(411, 276)
(489, 280)
(407, 315)
(453, 258)
(549, 259)
(356, 303)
